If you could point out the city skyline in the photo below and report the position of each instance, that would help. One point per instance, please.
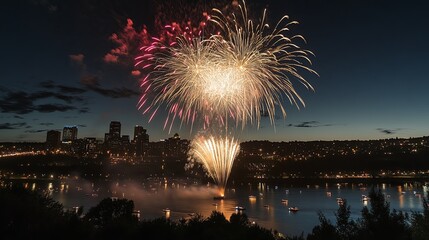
(370, 57)
(138, 131)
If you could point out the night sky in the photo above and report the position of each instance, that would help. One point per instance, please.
(60, 66)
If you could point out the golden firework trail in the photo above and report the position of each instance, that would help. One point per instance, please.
(217, 155)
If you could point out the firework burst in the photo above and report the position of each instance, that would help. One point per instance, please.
(265, 59)
(238, 72)
(217, 155)
(225, 68)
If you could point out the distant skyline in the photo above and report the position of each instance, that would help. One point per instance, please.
(61, 66)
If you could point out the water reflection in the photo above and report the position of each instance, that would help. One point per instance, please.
(167, 213)
(266, 206)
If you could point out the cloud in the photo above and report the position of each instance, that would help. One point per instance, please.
(135, 73)
(77, 58)
(84, 110)
(8, 126)
(47, 84)
(16, 102)
(48, 108)
(92, 83)
(81, 125)
(37, 131)
(60, 96)
(22, 102)
(62, 88)
(307, 124)
(70, 90)
(388, 131)
(46, 124)
(310, 124)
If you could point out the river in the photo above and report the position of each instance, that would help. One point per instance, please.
(266, 205)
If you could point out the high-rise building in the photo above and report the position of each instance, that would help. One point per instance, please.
(113, 138)
(174, 146)
(69, 134)
(141, 140)
(90, 145)
(106, 137)
(115, 130)
(53, 139)
(125, 139)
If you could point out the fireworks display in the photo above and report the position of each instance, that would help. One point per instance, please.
(217, 155)
(236, 73)
(223, 68)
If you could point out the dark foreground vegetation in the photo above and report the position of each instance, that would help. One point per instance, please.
(29, 215)
(376, 222)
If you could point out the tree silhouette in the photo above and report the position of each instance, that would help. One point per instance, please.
(379, 223)
(113, 219)
(420, 222)
(29, 215)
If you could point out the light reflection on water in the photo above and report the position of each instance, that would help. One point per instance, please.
(263, 204)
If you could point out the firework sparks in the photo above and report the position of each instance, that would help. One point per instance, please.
(217, 156)
(234, 69)
(244, 69)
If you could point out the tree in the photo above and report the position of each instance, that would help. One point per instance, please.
(239, 219)
(160, 228)
(28, 215)
(113, 219)
(109, 210)
(420, 222)
(323, 231)
(379, 223)
(346, 228)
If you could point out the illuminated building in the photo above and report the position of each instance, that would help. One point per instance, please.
(141, 140)
(113, 138)
(69, 134)
(115, 129)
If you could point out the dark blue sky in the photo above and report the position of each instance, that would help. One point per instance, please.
(372, 57)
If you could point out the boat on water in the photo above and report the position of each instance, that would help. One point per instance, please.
(365, 198)
(293, 209)
(340, 201)
(239, 208)
(266, 206)
(285, 201)
(252, 197)
(166, 210)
